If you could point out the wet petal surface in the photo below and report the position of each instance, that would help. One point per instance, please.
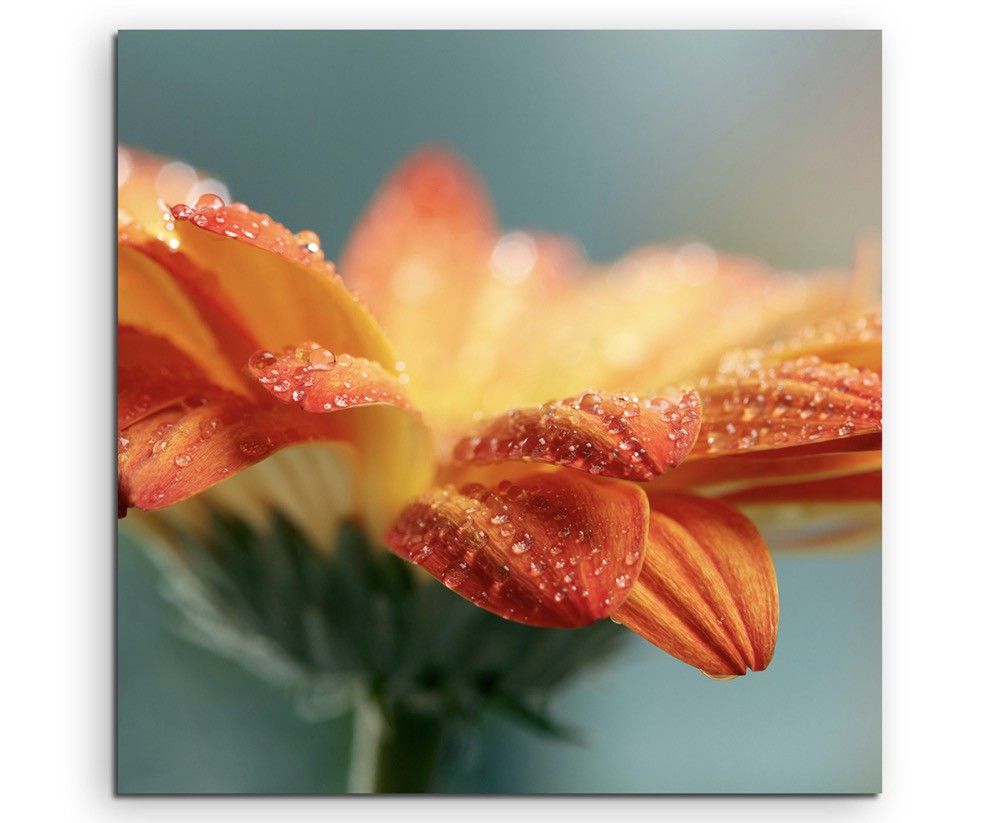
(554, 548)
(320, 381)
(613, 435)
(795, 402)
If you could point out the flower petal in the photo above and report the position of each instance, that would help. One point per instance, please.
(741, 473)
(857, 341)
(425, 235)
(707, 593)
(621, 436)
(191, 435)
(319, 381)
(274, 283)
(850, 488)
(152, 297)
(552, 548)
(791, 403)
(419, 258)
(153, 375)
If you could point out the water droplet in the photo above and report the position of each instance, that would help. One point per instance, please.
(322, 359)
(262, 360)
(255, 445)
(182, 460)
(209, 202)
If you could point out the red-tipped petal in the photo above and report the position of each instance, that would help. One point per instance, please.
(792, 403)
(707, 593)
(550, 549)
(621, 436)
(320, 381)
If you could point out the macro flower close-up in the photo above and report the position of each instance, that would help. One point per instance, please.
(238, 340)
(449, 471)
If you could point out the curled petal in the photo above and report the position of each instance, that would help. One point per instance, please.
(707, 593)
(792, 403)
(320, 381)
(552, 548)
(621, 436)
(277, 284)
(238, 222)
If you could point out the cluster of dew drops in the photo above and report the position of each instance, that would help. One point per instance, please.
(239, 222)
(551, 434)
(546, 532)
(294, 373)
(805, 399)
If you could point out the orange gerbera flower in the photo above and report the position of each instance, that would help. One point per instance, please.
(571, 483)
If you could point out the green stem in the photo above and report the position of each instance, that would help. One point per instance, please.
(395, 750)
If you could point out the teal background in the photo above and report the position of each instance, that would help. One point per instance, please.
(767, 143)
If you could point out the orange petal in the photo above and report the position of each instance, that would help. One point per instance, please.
(554, 548)
(857, 341)
(419, 258)
(792, 403)
(426, 230)
(277, 284)
(153, 298)
(619, 436)
(183, 435)
(153, 375)
(707, 593)
(178, 452)
(733, 474)
(850, 488)
(320, 381)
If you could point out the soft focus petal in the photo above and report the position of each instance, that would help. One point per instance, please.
(856, 341)
(147, 183)
(552, 548)
(621, 436)
(418, 258)
(707, 593)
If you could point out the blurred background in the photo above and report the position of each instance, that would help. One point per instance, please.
(763, 143)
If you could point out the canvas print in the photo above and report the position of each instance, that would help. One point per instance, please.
(498, 412)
